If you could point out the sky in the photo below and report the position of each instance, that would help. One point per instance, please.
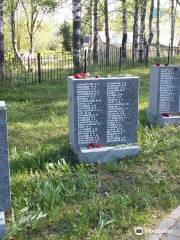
(64, 12)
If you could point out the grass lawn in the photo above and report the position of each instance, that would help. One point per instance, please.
(53, 197)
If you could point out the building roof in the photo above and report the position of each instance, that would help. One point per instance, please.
(116, 39)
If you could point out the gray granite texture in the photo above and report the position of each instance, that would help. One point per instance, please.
(4, 163)
(106, 154)
(102, 111)
(169, 228)
(164, 95)
(163, 121)
(2, 225)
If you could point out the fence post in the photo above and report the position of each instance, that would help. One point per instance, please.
(147, 55)
(120, 57)
(169, 48)
(85, 61)
(39, 67)
(29, 67)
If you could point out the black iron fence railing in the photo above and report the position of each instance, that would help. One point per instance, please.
(45, 68)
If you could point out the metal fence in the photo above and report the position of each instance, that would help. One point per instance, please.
(45, 68)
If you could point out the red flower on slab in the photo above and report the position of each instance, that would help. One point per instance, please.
(81, 75)
(93, 145)
(99, 145)
(77, 76)
(158, 64)
(90, 146)
(85, 74)
(166, 114)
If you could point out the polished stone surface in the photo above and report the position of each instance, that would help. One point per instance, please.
(4, 163)
(103, 111)
(2, 224)
(164, 95)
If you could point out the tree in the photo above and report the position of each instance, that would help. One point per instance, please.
(95, 32)
(158, 30)
(142, 29)
(77, 35)
(173, 22)
(106, 29)
(135, 30)
(11, 8)
(124, 29)
(34, 11)
(151, 35)
(65, 31)
(1, 38)
(87, 23)
(90, 29)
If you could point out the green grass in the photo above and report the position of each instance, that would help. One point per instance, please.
(54, 197)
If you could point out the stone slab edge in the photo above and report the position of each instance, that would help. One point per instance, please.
(165, 225)
(2, 225)
(163, 121)
(107, 154)
(2, 105)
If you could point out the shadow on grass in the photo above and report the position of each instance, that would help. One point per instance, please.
(47, 153)
(34, 112)
(143, 121)
(35, 103)
(36, 93)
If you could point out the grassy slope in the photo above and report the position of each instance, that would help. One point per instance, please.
(57, 199)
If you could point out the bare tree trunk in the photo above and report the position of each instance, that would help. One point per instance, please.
(31, 43)
(106, 29)
(90, 29)
(172, 26)
(77, 35)
(151, 35)
(17, 55)
(173, 22)
(124, 29)
(18, 32)
(95, 38)
(135, 31)
(158, 30)
(142, 29)
(2, 58)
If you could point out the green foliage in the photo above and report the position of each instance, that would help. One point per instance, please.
(45, 6)
(65, 31)
(53, 197)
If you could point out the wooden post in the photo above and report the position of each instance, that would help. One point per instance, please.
(39, 67)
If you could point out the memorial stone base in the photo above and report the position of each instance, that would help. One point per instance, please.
(107, 154)
(5, 200)
(163, 121)
(103, 112)
(164, 95)
(2, 224)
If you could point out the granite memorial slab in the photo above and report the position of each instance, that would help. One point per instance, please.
(103, 117)
(2, 224)
(164, 95)
(4, 167)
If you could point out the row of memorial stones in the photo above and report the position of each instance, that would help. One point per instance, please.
(103, 112)
(103, 119)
